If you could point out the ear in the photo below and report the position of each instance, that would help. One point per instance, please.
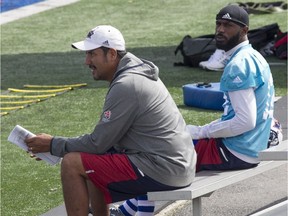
(245, 30)
(113, 54)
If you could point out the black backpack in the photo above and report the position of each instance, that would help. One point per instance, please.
(259, 37)
(195, 50)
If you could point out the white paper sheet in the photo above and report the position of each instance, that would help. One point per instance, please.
(17, 137)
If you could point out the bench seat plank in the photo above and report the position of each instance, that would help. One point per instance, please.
(278, 152)
(207, 182)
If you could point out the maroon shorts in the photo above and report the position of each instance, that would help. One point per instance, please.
(212, 154)
(117, 177)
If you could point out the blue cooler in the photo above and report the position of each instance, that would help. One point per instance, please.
(203, 95)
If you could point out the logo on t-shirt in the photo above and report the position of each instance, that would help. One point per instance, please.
(106, 116)
(237, 80)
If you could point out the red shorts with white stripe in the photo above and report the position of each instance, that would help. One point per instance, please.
(212, 154)
(118, 179)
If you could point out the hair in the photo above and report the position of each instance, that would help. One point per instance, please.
(120, 53)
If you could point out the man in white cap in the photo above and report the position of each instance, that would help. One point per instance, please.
(140, 143)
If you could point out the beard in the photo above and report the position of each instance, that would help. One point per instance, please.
(227, 44)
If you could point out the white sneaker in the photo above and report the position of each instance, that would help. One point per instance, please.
(115, 211)
(216, 62)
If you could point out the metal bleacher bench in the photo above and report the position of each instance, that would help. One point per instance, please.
(206, 182)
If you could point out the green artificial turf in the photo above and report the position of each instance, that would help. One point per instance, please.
(36, 50)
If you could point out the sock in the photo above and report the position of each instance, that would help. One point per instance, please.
(145, 207)
(129, 207)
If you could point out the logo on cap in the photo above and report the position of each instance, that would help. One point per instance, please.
(90, 34)
(106, 43)
(226, 16)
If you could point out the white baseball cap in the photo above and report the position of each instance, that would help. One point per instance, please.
(102, 35)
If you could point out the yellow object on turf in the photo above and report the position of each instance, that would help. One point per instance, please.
(38, 91)
(56, 86)
(28, 96)
(11, 108)
(20, 102)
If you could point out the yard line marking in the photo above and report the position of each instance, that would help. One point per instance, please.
(29, 10)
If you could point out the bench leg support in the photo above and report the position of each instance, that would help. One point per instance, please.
(197, 206)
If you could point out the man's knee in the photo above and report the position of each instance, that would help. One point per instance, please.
(72, 162)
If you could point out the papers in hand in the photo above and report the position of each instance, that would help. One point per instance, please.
(17, 137)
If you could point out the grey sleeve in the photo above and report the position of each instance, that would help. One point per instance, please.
(117, 117)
